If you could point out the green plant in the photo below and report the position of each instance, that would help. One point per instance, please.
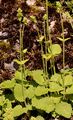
(62, 38)
(23, 21)
(30, 90)
(69, 5)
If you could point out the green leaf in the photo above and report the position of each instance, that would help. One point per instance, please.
(18, 75)
(38, 76)
(64, 109)
(58, 6)
(25, 21)
(55, 99)
(66, 39)
(57, 78)
(30, 92)
(54, 49)
(33, 19)
(19, 92)
(8, 84)
(45, 17)
(43, 104)
(40, 39)
(8, 115)
(19, 14)
(37, 118)
(2, 99)
(68, 80)
(47, 56)
(19, 10)
(8, 102)
(54, 87)
(20, 62)
(0, 112)
(24, 51)
(41, 90)
(28, 107)
(69, 90)
(63, 40)
(18, 110)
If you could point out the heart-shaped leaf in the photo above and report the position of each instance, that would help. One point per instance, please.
(8, 84)
(64, 109)
(20, 93)
(54, 49)
(41, 90)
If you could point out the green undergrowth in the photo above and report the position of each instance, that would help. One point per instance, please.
(54, 95)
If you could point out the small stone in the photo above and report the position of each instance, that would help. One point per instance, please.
(30, 2)
(1, 33)
(9, 66)
(2, 20)
(5, 34)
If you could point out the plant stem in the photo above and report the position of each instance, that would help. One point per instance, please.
(45, 69)
(43, 58)
(54, 70)
(63, 55)
(21, 58)
(63, 41)
(46, 36)
(48, 32)
(43, 61)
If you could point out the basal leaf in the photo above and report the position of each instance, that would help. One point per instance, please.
(54, 87)
(57, 78)
(38, 76)
(41, 90)
(2, 99)
(8, 84)
(55, 99)
(8, 102)
(28, 107)
(43, 104)
(30, 92)
(18, 110)
(0, 112)
(18, 75)
(37, 118)
(69, 90)
(64, 109)
(19, 93)
(68, 80)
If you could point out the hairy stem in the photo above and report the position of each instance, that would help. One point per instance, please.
(22, 67)
(63, 41)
